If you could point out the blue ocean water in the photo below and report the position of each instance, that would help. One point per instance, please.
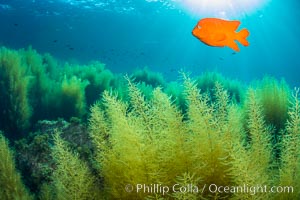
(130, 34)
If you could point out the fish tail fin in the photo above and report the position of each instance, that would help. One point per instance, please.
(242, 37)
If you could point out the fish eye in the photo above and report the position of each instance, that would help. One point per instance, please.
(199, 27)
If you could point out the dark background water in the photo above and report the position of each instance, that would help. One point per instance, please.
(126, 35)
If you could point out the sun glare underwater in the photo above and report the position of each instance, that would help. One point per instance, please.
(224, 9)
(149, 99)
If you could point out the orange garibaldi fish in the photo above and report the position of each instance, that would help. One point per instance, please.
(219, 33)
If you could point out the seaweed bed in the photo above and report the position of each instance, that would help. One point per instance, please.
(73, 131)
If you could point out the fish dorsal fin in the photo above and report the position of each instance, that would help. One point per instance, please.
(233, 25)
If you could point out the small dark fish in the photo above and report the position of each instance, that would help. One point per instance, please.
(220, 58)
(71, 48)
(15, 24)
(233, 53)
(54, 41)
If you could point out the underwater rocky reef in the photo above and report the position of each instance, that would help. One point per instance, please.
(71, 131)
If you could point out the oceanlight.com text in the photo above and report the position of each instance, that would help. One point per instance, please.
(211, 188)
(252, 190)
